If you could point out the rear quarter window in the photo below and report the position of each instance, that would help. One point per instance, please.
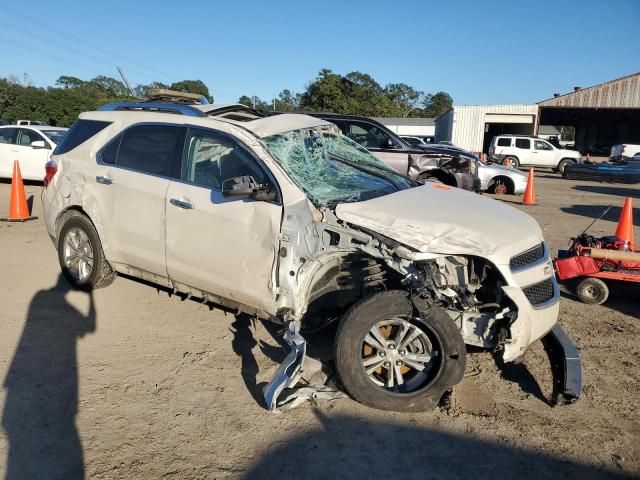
(80, 132)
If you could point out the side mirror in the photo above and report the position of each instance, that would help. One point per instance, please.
(37, 144)
(246, 186)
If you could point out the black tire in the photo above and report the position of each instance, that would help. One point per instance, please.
(592, 290)
(444, 370)
(563, 165)
(511, 159)
(101, 274)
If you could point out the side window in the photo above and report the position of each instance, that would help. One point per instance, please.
(210, 158)
(8, 135)
(26, 137)
(367, 135)
(149, 149)
(523, 143)
(80, 132)
(540, 145)
(504, 142)
(109, 153)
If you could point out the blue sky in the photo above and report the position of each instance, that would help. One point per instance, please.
(478, 51)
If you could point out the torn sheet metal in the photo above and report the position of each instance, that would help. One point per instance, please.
(289, 372)
(315, 385)
(299, 378)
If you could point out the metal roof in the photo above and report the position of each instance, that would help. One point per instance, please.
(619, 93)
(406, 121)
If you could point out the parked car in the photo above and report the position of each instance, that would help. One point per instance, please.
(32, 122)
(31, 146)
(494, 178)
(286, 218)
(448, 167)
(517, 150)
(624, 151)
(624, 171)
(2, 122)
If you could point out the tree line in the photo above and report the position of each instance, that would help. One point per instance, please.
(355, 93)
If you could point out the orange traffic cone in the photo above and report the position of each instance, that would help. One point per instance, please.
(625, 225)
(18, 208)
(529, 194)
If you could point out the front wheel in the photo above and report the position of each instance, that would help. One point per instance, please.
(562, 166)
(391, 357)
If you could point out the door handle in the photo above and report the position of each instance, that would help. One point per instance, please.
(181, 203)
(104, 180)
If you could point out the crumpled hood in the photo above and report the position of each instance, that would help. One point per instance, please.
(435, 218)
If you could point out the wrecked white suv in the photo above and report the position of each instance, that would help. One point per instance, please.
(286, 219)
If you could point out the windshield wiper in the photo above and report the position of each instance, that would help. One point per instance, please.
(371, 171)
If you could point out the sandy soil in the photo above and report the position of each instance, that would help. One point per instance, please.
(131, 383)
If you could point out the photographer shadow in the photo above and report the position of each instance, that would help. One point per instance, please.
(42, 389)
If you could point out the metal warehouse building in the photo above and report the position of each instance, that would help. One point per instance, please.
(414, 126)
(603, 115)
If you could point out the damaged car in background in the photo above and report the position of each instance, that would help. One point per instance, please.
(285, 218)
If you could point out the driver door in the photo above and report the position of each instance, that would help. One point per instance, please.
(543, 154)
(224, 246)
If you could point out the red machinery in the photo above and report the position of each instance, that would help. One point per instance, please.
(595, 260)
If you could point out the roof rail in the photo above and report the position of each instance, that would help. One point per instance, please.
(175, 108)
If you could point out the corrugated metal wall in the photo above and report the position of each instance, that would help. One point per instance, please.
(620, 93)
(469, 122)
(444, 127)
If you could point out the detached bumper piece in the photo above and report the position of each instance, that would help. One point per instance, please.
(289, 372)
(565, 365)
(299, 378)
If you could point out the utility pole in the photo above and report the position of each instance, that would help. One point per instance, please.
(124, 79)
(254, 101)
(274, 103)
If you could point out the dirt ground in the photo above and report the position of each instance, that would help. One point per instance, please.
(131, 383)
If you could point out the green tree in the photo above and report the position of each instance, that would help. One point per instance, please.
(435, 105)
(142, 90)
(192, 86)
(404, 98)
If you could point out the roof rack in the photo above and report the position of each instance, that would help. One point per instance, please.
(174, 96)
(175, 108)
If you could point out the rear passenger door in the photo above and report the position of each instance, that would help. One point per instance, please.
(378, 142)
(131, 183)
(225, 246)
(522, 150)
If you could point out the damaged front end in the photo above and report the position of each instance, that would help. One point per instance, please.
(372, 232)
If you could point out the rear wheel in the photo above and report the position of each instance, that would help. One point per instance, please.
(510, 162)
(391, 358)
(80, 253)
(592, 290)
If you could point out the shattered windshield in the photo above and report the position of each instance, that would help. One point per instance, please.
(332, 169)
